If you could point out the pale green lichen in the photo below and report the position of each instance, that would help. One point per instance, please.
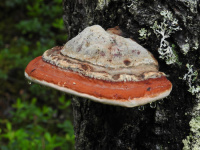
(133, 2)
(185, 48)
(191, 77)
(143, 33)
(164, 29)
(196, 44)
(191, 4)
(102, 3)
(192, 142)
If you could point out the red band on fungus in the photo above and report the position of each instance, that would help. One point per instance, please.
(120, 91)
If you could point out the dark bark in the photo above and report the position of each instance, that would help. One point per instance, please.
(99, 126)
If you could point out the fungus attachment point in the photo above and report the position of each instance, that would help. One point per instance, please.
(103, 67)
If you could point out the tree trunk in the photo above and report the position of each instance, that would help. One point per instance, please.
(159, 127)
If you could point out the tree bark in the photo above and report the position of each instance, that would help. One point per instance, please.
(99, 126)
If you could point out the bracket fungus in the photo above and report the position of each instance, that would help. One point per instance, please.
(102, 66)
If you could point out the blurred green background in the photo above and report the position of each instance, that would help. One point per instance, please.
(31, 117)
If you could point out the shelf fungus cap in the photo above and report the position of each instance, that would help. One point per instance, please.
(102, 66)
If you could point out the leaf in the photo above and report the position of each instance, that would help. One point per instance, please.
(47, 136)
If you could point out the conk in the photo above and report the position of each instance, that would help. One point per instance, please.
(102, 66)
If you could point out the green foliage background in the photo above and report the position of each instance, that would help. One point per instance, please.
(31, 117)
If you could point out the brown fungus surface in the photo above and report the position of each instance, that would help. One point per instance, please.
(103, 67)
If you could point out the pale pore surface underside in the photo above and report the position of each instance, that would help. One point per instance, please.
(101, 55)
